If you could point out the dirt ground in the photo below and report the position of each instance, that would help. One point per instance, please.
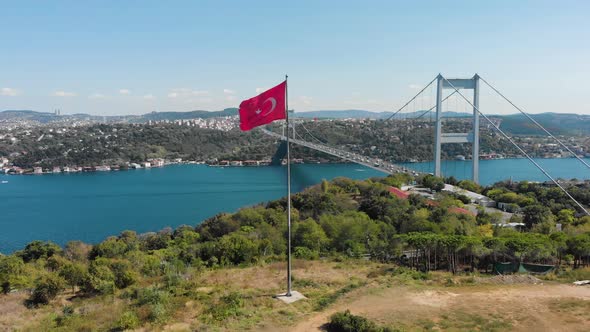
(541, 307)
(515, 303)
(13, 312)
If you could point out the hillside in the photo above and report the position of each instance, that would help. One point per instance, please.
(556, 123)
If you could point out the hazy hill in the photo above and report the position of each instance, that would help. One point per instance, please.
(45, 117)
(42, 117)
(516, 124)
(187, 115)
(362, 114)
(555, 123)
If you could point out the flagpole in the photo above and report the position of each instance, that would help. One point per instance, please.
(288, 191)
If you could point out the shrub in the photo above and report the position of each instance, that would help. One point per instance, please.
(577, 274)
(305, 253)
(46, 289)
(327, 300)
(228, 306)
(464, 199)
(347, 322)
(405, 272)
(151, 295)
(158, 313)
(127, 321)
(124, 275)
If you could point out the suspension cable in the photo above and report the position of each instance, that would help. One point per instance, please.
(535, 122)
(310, 134)
(409, 101)
(433, 107)
(519, 148)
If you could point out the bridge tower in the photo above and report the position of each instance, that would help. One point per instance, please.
(444, 138)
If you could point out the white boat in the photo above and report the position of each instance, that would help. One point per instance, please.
(4, 181)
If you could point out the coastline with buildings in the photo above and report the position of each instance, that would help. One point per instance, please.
(7, 169)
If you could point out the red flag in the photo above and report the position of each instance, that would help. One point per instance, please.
(264, 108)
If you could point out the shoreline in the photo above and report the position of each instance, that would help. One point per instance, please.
(238, 163)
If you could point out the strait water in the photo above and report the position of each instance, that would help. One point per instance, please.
(92, 206)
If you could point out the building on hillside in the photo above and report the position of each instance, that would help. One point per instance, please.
(473, 196)
(37, 170)
(401, 194)
(157, 162)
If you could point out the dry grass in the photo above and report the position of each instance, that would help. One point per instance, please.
(442, 302)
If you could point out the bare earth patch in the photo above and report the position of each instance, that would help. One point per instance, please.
(495, 308)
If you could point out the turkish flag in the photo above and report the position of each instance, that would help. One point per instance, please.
(264, 108)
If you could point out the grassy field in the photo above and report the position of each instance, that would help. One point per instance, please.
(237, 299)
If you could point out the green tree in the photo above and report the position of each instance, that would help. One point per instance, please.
(75, 274)
(565, 217)
(124, 275)
(536, 214)
(579, 247)
(469, 185)
(77, 251)
(39, 249)
(11, 269)
(432, 182)
(309, 234)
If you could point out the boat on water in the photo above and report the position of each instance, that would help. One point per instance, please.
(4, 181)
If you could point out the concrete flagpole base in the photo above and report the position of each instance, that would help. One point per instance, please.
(295, 296)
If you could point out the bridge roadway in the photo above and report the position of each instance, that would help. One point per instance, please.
(376, 164)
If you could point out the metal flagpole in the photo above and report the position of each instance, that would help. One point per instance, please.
(288, 191)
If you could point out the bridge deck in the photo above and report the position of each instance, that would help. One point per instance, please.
(376, 164)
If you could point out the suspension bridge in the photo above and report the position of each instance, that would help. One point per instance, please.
(456, 85)
(374, 163)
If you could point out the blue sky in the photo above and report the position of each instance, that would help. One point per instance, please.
(132, 57)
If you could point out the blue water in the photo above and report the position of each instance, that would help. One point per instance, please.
(93, 206)
(492, 171)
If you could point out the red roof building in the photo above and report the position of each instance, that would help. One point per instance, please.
(399, 193)
(404, 195)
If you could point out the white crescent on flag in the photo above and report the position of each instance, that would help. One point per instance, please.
(274, 104)
(272, 108)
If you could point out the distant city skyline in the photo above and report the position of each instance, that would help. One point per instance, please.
(118, 58)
